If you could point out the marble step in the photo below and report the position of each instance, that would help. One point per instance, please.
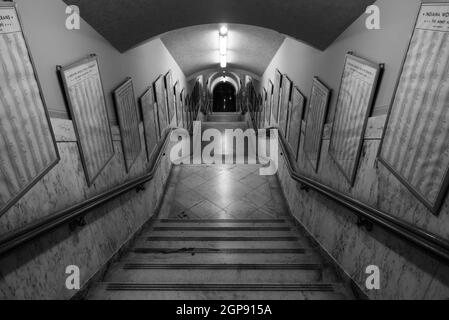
(205, 250)
(221, 228)
(236, 221)
(143, 291)
(222, 233)
(208, 258)
(219, 238)
(223, 224)
(185, 243)
(242, 274)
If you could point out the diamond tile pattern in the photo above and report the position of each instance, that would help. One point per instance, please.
(222, 192)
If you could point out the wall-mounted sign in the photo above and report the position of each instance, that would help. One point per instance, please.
(85, 96)
(354, 102)
(150, 122)
(128, 121)
(316, 116)
(27, 145)
(161, 100)
(415, 145)
(295, 120)
(284, 104)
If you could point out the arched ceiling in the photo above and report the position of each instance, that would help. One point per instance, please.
(127, 23)
(249, 48)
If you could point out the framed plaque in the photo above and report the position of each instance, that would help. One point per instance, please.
(170, 98)
(178, 104)
(295, 120)
(184, 109)
(316, 116)
(150, 122)
(161, 100)
(27, 144)
(355, 99)
(85, 97)
(264, 108)
(128, 121)
(269, 103)
(415, 144)
(276, 96)
(283, 105)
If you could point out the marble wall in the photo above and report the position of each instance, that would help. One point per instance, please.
(36, 270)
(407, 272)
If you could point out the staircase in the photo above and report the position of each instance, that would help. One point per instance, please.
(223, 233)
(220, 259)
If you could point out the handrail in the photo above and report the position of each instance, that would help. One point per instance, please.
(38, 228)
(424, 239)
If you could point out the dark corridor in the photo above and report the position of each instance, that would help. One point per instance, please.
(224, 98)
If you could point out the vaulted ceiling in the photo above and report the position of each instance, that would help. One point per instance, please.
(249, 48)
(185, 26)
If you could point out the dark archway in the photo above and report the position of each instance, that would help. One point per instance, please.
(224, 98)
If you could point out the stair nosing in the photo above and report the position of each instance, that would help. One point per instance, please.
(223, 266)
(143, 250)
(222, 239)
(132, 286)
(222, 228)
(222, 221)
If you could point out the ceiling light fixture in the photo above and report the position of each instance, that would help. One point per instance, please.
(223, 46)
(223, 30)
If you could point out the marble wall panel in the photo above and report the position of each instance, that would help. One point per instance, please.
(36, 270)
(407, 272)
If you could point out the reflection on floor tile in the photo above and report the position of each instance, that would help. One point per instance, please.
(222, 192)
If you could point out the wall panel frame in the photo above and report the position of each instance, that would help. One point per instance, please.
(85, 97)
(284, 105)
(161, 100)
(170, 98)
(128, 121)
(28, 149)
(355, 99)
(295, 120)
(316, 117)
(415, 142)
(276, 97)
(150, 121)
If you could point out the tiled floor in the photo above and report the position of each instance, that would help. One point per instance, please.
(222, 192)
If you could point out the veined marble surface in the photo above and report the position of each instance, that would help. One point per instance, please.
(37, 270)
(406, 271)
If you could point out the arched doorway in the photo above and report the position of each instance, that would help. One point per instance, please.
(224, 98)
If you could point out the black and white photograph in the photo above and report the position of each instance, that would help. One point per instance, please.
(224, 158)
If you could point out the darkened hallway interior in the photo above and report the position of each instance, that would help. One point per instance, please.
(229, 150)
(224, 99)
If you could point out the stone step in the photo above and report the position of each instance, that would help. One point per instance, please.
(185, 243)
(199, 228)
(221, 233)
(208, 258)
(205, 250)
(146, 273)
(219, 238)
(222, 222)
(243, 291)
